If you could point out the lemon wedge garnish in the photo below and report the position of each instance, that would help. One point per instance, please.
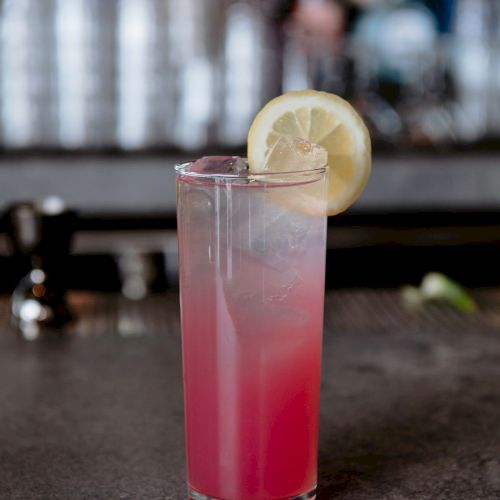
(320, 118)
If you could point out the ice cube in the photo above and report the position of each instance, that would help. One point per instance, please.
(292, 154)
(219, 165)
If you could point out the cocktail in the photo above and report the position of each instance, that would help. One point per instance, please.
(252, 242)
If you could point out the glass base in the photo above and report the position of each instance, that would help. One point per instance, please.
(195, 495)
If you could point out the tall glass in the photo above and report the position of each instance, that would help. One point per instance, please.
(252, 267)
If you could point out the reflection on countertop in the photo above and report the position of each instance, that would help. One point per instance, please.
(409, 403)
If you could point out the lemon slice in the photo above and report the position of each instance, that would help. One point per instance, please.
(323, 119)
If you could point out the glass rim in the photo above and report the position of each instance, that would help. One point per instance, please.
(181, 169)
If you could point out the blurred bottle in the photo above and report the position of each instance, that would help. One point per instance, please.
(396, 51)
(248, 65)
(195, 40)
(86, 72)
(314, 47)
(401, 40)
(471, 62)
(136, 273)
(134, 73)
(495, 70)
(41, 232)
(136, 55)
(28, 90)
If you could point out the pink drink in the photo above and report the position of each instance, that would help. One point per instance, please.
(252, 286)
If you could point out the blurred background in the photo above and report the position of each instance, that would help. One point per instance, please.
(99, 99)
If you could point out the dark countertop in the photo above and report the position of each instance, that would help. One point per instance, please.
(410, 404)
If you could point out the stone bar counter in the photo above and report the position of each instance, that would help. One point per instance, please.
(410, 402)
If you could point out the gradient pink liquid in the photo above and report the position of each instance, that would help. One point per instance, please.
(252, 317)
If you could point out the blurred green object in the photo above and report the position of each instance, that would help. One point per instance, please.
(438, 287)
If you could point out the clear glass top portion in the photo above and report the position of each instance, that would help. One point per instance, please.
(233, 169)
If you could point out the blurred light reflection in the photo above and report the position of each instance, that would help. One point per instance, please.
(187, 74)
